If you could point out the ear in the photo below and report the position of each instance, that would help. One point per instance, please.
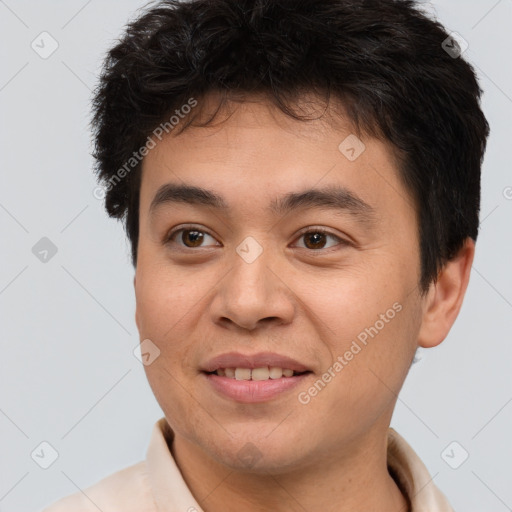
(444, 298)
(136, 312)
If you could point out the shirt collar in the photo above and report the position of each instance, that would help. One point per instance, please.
(412, 476)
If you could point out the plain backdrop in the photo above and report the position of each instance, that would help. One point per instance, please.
(68, 373)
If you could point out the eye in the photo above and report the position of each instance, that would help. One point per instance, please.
(315, 239)
(189, 238)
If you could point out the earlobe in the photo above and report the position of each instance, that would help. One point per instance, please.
(444, 298)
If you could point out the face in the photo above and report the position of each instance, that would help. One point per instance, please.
(281, 266)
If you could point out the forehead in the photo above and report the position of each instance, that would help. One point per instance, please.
(254, 153)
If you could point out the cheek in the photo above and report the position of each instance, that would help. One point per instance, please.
(345, 306)
(166, 298)
(166, 304)
(370, 321)
(184, 412)
(373, 358)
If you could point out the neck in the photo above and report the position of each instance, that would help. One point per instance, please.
(347, 482)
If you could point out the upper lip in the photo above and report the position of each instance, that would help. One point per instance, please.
(259, 360)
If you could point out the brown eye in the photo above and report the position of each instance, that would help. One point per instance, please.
(314, 240)
(189, 238)
(318, 239)
(194, 238)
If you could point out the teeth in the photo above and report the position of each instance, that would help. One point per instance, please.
(260, 373)
(275, 372)
(263, 373)
(242, 373)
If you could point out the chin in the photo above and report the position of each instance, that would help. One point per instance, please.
(248, 452)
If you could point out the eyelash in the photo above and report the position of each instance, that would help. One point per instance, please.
(311, 229)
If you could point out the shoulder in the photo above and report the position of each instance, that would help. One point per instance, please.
(127, 490)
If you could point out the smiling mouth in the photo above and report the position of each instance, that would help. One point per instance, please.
(256, 374)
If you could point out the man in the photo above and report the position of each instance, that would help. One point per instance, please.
(300, 183)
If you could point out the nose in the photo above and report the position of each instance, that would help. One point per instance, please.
(253, 294)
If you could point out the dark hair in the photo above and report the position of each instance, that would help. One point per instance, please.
(385, 60)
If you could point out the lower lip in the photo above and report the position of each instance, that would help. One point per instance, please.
(253, 391)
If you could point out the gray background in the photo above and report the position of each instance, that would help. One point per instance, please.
(68, 373)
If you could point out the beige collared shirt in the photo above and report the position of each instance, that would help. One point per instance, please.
(156, 484)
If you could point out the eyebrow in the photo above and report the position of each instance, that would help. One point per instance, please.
(332, 198)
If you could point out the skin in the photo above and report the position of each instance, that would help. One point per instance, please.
(310, 304)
